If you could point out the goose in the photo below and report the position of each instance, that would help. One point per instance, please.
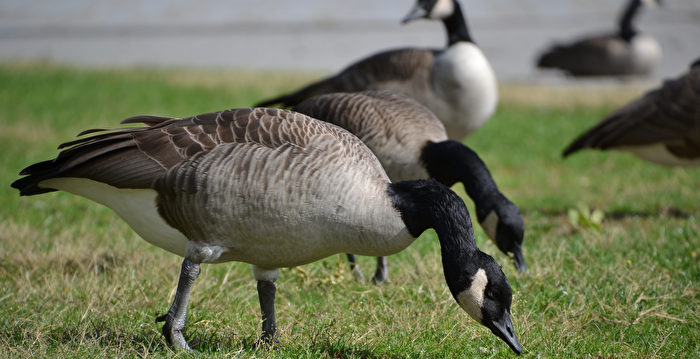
(272, 188)
(625, 52)
(662, 127)
(411, 143)
(457, 83)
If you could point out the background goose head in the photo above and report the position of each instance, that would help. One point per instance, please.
(448, 11)
(431, 9)
(504, 225)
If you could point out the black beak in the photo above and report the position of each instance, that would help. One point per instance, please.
(416, 13)
(503, 328)
(519, 260)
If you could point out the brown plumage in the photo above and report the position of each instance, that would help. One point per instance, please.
(624, 52)
(273, 188)
(411, 143)
(406, 71)
(662, 127)
(456, 83)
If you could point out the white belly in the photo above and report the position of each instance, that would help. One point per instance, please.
(659, 154)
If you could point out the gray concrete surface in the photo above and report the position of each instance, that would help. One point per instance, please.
(321, 35)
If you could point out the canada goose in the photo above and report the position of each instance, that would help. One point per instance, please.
(411, 143)
(662, 127)
(272, 188)
(456, 83)
(626, 52)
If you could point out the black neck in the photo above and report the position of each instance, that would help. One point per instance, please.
(627, 30)
(427, 204)
(456, 26)
(450, 162)
(695, 64)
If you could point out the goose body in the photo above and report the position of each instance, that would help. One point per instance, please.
(625, 52)
(662, 127)
(411, 143)
(457, 83)
(272, 188)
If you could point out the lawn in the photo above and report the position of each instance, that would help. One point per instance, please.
(76, 282)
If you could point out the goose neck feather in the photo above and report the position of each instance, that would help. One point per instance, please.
(627, 30)
(427, 204)
(450, 162)
(456, 26)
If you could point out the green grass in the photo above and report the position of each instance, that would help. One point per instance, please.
(76, 282)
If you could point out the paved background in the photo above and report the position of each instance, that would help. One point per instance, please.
(320, 35)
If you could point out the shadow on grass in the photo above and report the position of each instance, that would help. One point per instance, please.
(107, 336)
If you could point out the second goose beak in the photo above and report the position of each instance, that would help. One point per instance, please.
(416, 13)
(503, 328)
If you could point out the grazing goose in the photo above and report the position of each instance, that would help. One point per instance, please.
(662, 127)
(456, 83)
(626, 52)
(272, 188)
(410, 142)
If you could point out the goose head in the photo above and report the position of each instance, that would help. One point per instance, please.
(483, 291)
(430, 9)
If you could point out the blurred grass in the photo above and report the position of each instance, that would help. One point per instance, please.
(76, 282)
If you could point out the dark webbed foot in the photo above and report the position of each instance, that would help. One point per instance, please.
(356, 272)
(175, 318)
(266, 343)
(173, 333)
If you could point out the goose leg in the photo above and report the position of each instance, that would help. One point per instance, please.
(175, 318)
(356, 272)
(380, 275)
(266, 296)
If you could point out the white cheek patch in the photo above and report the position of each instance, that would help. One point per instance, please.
(472, 299)
(442, 9)
(489, 224)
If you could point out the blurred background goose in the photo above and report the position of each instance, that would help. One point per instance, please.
(662, 127)
(625, 52)
(456, 83)
(272, 188)
(411, 143)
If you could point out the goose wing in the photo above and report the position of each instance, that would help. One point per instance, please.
(579, 55)
(385, 70)
(668, 115)
(137, 157)
(394, 127)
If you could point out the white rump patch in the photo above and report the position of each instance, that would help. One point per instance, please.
(137, 207)
(472, 299)
(490, 224)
